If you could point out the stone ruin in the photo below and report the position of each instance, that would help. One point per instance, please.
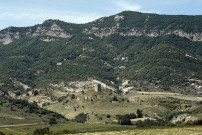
(97, 87)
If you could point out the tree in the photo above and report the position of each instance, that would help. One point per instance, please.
(149, 123)
(139, 113)
(108, 116)
(41, 131)
(132, 116)
(35, 92)
(81, 118)
(59, 100)
(52, 121)
(124, 121)
(114, 98)
(73, 96)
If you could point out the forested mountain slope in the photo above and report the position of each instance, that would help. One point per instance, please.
(148, 51)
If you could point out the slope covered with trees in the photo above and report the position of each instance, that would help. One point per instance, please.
(161, 50)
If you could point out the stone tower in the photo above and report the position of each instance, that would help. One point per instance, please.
(97, 87)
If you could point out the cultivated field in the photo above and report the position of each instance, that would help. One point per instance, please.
(197, 130)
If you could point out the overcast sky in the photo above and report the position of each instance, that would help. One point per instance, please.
(30, 12)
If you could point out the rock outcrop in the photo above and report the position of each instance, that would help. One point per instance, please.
(105, 32)
(118, 24)
(50, 33)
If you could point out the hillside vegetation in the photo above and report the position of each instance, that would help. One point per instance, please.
(149, 67)
(163, 51)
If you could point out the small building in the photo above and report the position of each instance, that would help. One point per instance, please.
(97, 87)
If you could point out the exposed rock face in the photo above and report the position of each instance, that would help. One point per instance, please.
(48, 39)
(53, 32)
(118, 17)
(40, 99)
(8, 37)
(196, 83)
(139, 31)
(124, 87)
(78, 86)
(183, 118)
(1, 93)
(18, 83)
(11, 94)
(191, 36)
(104, 32)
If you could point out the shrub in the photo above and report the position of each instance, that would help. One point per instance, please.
(1, 133)
(108, 116)
(42, 131)
(149, 123)
(73, 96)
(196, 122)
(124, 121)
(52, 121)
(81, 118)
(139, 113)
(129, 116)
(69, 131)
(59, 100)
(35, 92)
(114, 98)
(132, 116)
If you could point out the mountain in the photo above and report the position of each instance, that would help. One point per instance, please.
(127, 51)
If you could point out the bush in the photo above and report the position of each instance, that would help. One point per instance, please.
(196, 122)
(42, 131)
(73, 96)
(129, 116)
(69, 131)
(149, 123)
(35, 92)
(124, 121)
(81, 118)
(52, 121)
(132, 116)
(114, 98)
(1, 133)
(108, 116)
(59, 100)
(139, 113)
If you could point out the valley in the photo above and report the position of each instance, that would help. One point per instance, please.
(129, 73)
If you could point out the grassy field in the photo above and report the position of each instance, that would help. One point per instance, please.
(166, 94)
(195, 130)
(106, 129)
(99, 104)
(70, 126)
